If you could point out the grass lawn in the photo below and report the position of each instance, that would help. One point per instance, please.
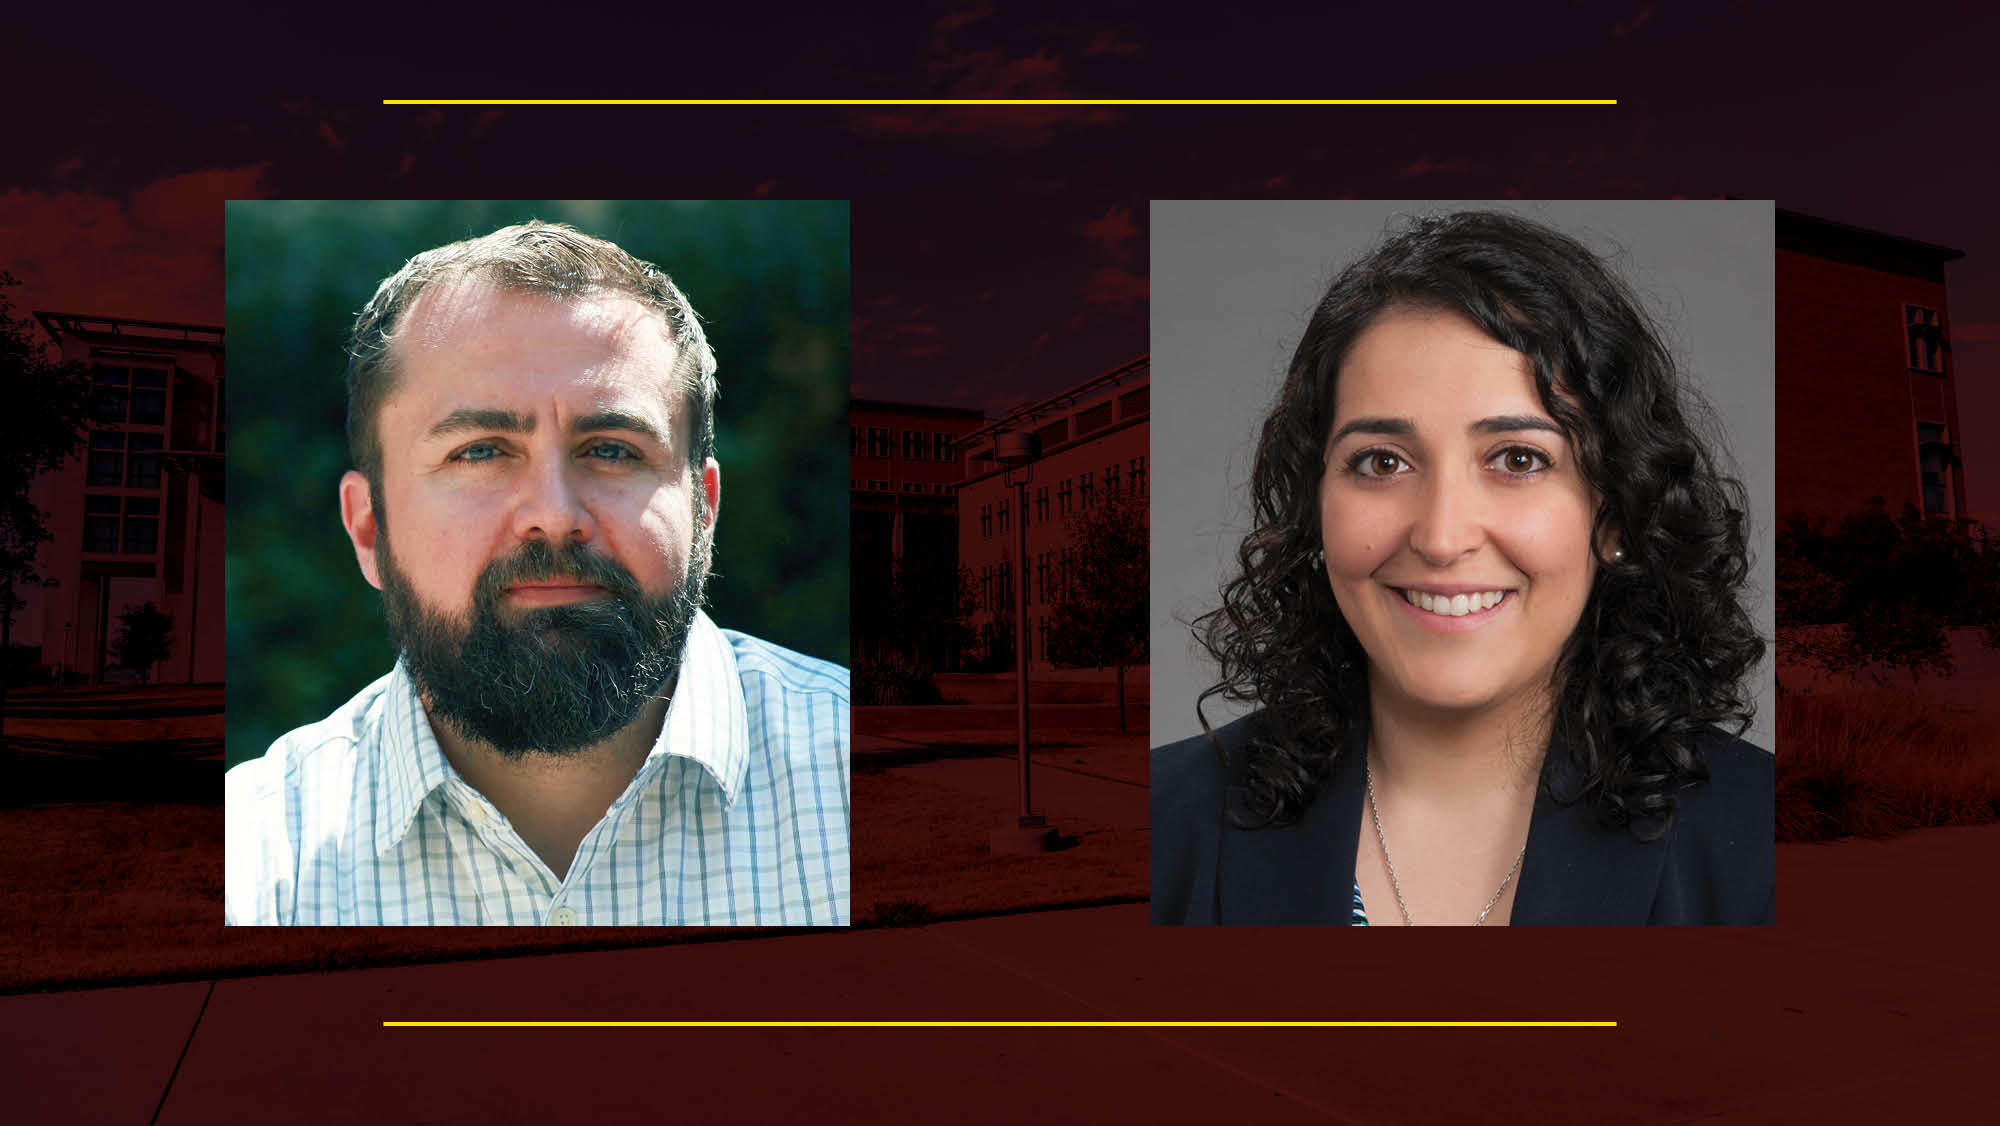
(1873, 763)
(920, 837)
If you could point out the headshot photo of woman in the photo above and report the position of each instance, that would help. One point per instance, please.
(1488, 644)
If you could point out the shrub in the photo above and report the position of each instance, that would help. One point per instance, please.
(1870, 764)
(894, 682)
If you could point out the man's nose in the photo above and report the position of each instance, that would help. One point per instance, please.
(550, 505)
(1450, 522)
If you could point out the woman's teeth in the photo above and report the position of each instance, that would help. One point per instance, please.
(1455, 605)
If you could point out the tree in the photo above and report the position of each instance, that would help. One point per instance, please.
(1100, 610)
(145, 637)
(1884, 591)
(42, 425)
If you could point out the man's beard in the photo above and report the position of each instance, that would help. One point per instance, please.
(549, 679)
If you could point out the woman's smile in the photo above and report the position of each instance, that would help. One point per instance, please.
(1453, 612)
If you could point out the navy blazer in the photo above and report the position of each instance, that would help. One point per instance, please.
(1715, 865)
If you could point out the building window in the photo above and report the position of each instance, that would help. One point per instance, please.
(100, 523)
(1933, 465)
(1045, 639)
(107, 460)
(1062, 497)
(1003, 517)
(944, 447)
(878, 441)
(126, 525)
(108, 467)
(1132, 404)
(1926, 338)
(1110, 481)
(1042, 576)
(1063, 573)
(986, 521)
(986, 587)
(1096, 418)
(1138, 468)
(854, 442)
(909, 487)
(1054, 434)
(130, 394)
(913, 445)
(1087, 490)
(1001, 576)
(1042, 505)
(142, 469)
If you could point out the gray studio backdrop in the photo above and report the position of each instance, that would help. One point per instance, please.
(1233, 283)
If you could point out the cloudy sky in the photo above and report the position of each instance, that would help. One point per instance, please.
(1000, 254)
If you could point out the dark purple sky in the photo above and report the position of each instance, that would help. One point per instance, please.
(999, 254)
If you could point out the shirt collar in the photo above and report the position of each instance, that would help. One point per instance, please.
(707, 722)
(411, 762)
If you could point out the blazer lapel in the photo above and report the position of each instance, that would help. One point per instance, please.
(1302, 872)
(1578, 872)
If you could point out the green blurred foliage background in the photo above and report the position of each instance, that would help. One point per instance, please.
(770, 281)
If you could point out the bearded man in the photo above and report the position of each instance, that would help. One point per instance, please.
(567, 739)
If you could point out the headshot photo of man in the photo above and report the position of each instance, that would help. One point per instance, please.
(564, 736)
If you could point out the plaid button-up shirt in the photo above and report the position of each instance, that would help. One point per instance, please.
(739, 816)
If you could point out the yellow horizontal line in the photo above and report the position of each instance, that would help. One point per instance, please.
(999, 101)
(999, 1024)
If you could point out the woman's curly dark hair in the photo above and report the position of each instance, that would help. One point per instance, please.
(1664, 643)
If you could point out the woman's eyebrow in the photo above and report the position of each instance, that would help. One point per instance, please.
(1392, 427)
(1506, 423)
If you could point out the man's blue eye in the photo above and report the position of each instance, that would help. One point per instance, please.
(611, 451)
(479, 451)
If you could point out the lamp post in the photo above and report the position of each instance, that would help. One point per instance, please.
(1029, 831)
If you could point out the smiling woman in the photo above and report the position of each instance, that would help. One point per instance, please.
(1491, 612)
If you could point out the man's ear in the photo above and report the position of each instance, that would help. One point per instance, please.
(357, 514)
(711, 491)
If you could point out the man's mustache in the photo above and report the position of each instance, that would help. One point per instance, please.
(536, 562)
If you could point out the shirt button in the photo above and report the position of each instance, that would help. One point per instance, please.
(562, 917)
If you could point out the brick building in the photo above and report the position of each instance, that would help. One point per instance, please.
(1093, 440)
(1867, 399)
(905, 462)
(139, 516)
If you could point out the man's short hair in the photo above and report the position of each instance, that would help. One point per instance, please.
(546, 259)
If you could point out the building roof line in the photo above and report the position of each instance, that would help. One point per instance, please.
(58, 324)
(1941, 253)
(1061, 398)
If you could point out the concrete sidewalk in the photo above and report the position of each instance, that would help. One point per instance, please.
(1840, 1011)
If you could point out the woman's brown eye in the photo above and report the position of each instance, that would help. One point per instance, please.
(1520, 461)
(1385, 464)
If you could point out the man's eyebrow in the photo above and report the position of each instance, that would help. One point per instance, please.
(483, 418)
(616, 420)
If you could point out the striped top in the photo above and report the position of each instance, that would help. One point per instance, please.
(739, 816)
(1360, 917)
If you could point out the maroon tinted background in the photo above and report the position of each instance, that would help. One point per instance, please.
(1002, 238)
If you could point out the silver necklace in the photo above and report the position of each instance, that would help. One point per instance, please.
(1375, 815)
